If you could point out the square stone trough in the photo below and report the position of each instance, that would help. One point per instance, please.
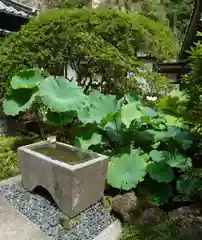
(75, 187)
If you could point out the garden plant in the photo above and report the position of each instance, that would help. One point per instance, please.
(147, 147)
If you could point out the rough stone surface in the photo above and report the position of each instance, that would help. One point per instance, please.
(74, 188)
(113, 232)
(151, 215)
(44, 213)
(126, 205)
(190, 221)
(15, 226)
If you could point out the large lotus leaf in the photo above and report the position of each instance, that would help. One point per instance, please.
(29, 78)
(84, 113)
(61, 95)
(161, 172)
(58, 119)
(98, 107)
(19, 100)
(88, 137)
(158, 156)
(179, 161)
(157, 193)
(129, 113)
(126, 172)
(101, 108)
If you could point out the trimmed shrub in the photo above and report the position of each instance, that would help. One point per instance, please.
(108, 41)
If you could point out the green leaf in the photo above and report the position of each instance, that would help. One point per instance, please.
(129, 113)
(115, 131)
(61, 95)
(26, 79)
(147, 111)
(87, 137)
(179, 161)
(156, 145)
(84, 114)
(85, 142)
(161, 172)
(159, 136)
(126, 172)
(185, 139)
(157, 193)
(187, 184)
(173, 121)
(103, 107)
(18, 101)
(98, 108)
(58, 119)
(158, 156)
(131, 97)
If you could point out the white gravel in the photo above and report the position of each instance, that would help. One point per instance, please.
(44, 213)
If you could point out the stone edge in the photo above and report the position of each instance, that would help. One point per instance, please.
(112, 232)
(11, 180)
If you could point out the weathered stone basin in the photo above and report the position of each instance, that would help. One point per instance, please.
(75, 178)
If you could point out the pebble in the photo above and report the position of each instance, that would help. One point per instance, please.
(44, 213)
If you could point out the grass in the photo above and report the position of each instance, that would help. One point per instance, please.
(8, 158)
(166, 230)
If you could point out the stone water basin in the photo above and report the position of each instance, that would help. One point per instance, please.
(75, 178)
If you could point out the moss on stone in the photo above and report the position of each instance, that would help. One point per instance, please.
(68, 223)
(107, 202)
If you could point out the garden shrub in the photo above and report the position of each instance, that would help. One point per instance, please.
(9, 166)
(193, 87)
(147, 147)
(106, 40)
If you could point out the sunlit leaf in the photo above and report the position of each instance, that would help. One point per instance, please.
(126, 172)
(61, 95)
(158, 156)
(29, 78)
(19, 101)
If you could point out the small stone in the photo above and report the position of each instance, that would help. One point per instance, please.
(126, 205)
(151, 215)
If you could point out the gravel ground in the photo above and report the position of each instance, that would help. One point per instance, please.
(44, 213)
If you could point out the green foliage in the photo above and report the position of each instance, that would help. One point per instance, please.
(127, 171)
(107, 41)
(161, 172)
(53, 92)
(9, 166)
(149, 83)
(158, 193)
(193, 87)
(143, 142)
(167, 229)
(189, 186)
(179, 14)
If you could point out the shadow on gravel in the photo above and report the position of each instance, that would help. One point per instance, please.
(41, 191)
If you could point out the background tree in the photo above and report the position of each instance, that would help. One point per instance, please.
(106, 41)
